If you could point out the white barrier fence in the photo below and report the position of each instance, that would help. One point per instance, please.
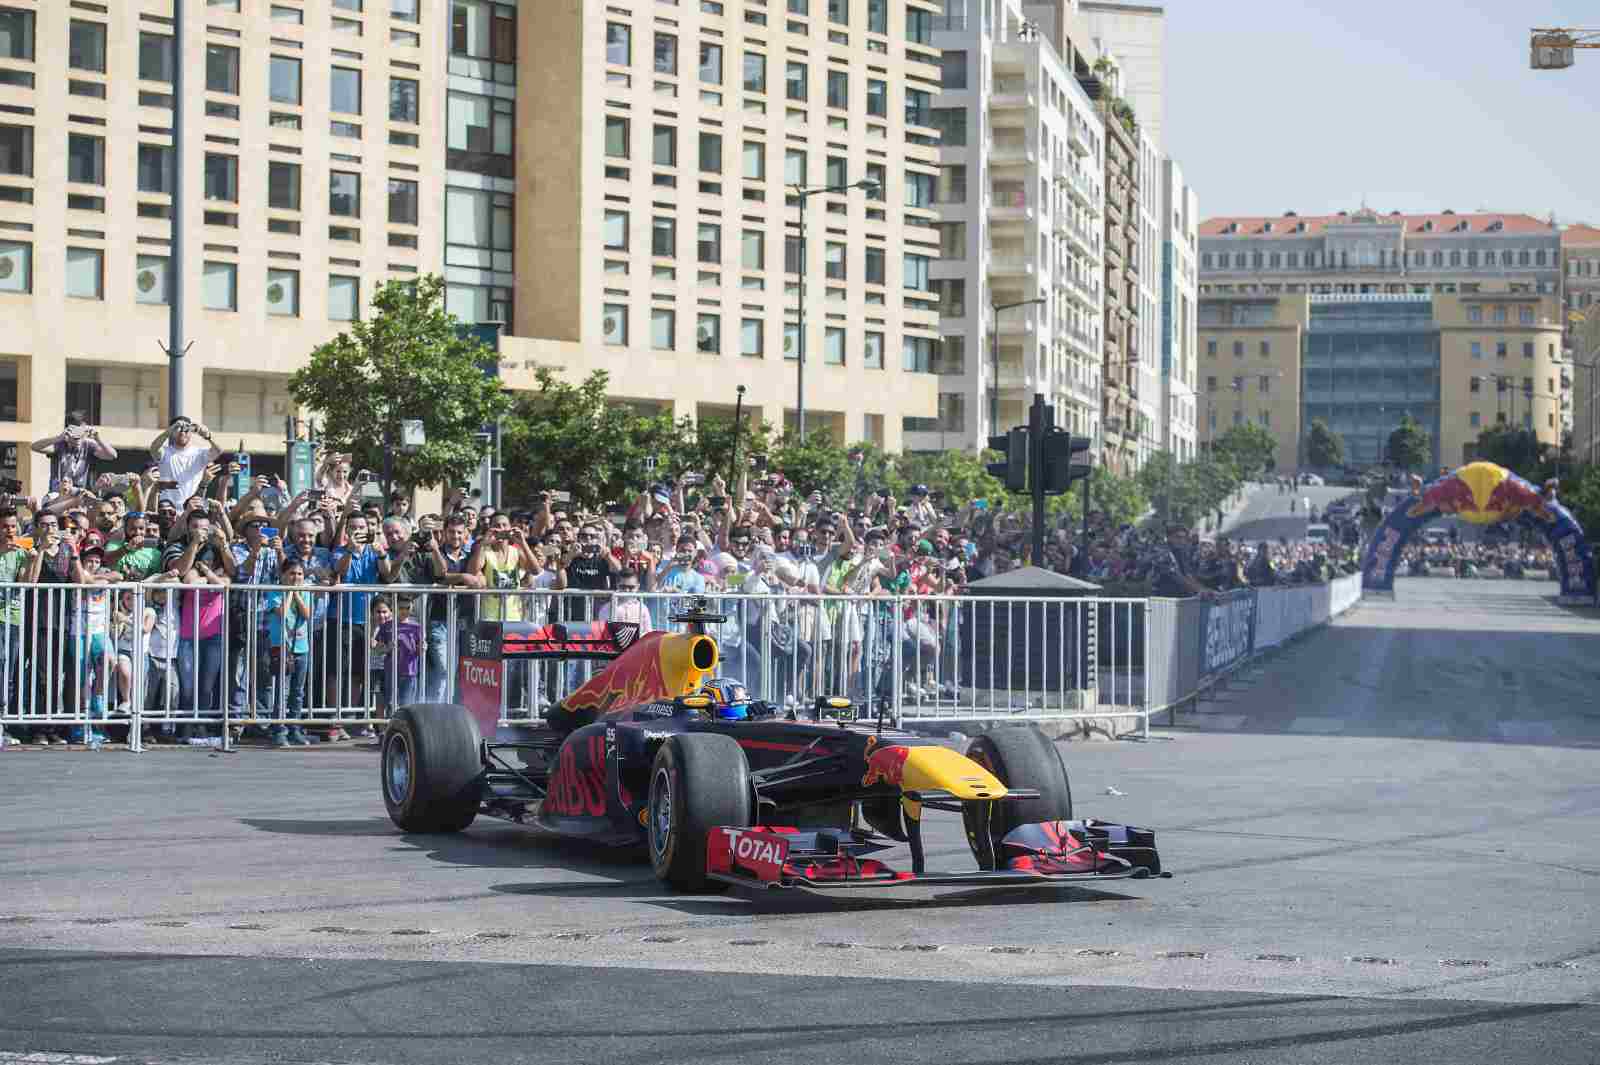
(86, 663)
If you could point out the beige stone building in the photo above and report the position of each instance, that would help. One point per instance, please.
(606, 179)
(1457, 363)
(1580, 269)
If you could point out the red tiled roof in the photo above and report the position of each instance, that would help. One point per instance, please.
(1584, 235)
(1285, 225)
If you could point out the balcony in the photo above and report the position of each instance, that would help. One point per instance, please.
(1011, 96)
(1008, 205)
(1079, 139)
(1015, 376)
(1011, 265)
(1011, 151)
(1015, 324)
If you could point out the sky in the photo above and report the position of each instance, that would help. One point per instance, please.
(1416, 105)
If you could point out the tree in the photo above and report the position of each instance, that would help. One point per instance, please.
(814, 464)
(1410, 446)
(706, 446)
(1324, 447)
(960, 475)
(1518, 450)
(409, 359)
(1121, 499)
(571, 437)
(1250, 448)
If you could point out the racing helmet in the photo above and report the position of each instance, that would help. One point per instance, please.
(729, 698)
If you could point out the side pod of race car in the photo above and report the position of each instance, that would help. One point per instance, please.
(657, 750)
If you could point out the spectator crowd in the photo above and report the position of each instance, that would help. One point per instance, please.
(277, 604)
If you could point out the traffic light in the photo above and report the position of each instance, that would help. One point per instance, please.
(1012, 470)
(1060, 469)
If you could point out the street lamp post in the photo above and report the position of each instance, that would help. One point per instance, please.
(801, 195)
(994, 356)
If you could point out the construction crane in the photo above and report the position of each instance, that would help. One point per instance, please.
(1552, 48)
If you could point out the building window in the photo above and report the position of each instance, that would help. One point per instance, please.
(1238, 349)
(1475, 384)
(833, 346)
(664, 146)
(479, 231)
(1474, 313)
(917, 273)
(284, 80)
(222, 69)
(755, 161)
(483, 40)
(954, 64)
(614, 323)
(872, 351)
(404, 10)
(283, 293)
(838, 89)
(794, 80)
(708, 241)
(404, 101)
(663, 329)
(952, 240)
(1499, 314)
(878, 98)
(86, 159)
(344, 194)
(794, 167)
(833, 262)
(1211, 384)
(918, 106)
(1265, 418)
(86, 273)
(1527, 350)
(710, 152)
(222, 177)
(755, 72)
(1500, 349)
(1266, 349)
(952, 297)
(155, 57)
(951, 122)
(1525, 315)
(919, 26)
(86, 46)
(666, 53)
(155, 168)
(708, 334)
(919, 189)
(1265, 383)
(283, 185)
(917, 355)
(874, 269)
(617, 230)
(1477, 349)
(664, 237)
(619, 44)
(219, 286)
(1475, 419)
(480, 135)
(403, 202)
(752, 338)
(1211, 348)
(953, 183)
(878, 181)
(344, 91)
(753, 250)
(344, 298)
(150, 279)
(710, 63)
(616, 137)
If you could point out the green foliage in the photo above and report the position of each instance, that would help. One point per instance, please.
(566, 436)
(1249, 448)
(1580, 492)
(1410, 446)
(960, 475)
(1185, 492)
(815, 464)
(706, 446)
(1122, 499)
(1324, 447)
(1518, 450)
(406, 360)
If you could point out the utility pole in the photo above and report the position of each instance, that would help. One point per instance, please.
(176, 348)
(1041, 419)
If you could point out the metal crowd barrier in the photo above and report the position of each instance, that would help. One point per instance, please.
(194, 663)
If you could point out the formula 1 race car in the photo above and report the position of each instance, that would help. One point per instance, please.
(655, 750)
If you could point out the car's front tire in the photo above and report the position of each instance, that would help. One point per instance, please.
(1020, 757)
(698, 782)
(430, 768)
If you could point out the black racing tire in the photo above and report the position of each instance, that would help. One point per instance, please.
(1020, 757)
(430, 768)
(698, 782)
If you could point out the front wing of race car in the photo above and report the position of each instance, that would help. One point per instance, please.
(834, 862)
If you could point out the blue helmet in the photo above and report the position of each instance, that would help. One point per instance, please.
(729, 698)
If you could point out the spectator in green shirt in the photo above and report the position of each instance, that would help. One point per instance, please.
(137, 555)
(16, 564)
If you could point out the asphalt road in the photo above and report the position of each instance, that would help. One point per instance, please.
(1267, 516)
(1382, 840)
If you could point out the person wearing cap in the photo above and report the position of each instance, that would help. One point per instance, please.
(922, 512)
(257, 561)
(183, 458)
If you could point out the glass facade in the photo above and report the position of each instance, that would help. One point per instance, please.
(1368, 361)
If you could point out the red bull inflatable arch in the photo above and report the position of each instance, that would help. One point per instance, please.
(1484, 494)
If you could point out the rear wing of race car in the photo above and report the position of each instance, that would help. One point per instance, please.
(508, 640)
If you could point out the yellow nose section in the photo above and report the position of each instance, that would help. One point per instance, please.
(928, 768)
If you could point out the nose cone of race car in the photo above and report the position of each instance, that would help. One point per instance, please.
(931, 769)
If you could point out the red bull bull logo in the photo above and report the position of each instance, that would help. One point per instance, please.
(886, 765)
(1482, 493)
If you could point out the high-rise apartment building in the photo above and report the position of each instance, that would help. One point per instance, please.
(658, 149)
(1019, 201)
(1137, 35)
(607, 180)
(1580, 270)
(1180, 251)
(314, 170)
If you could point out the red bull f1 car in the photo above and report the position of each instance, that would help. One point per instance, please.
(656, 750)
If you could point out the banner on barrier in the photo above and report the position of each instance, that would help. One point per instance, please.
(1227, 630)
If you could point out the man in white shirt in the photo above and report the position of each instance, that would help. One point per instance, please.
(183, 458)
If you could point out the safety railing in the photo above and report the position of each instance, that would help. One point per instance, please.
(198, 663)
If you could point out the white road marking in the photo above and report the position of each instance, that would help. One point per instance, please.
(39, 1057)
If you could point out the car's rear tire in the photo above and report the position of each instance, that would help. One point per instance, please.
(698, 782)
(430, 768)
(1021, 757)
